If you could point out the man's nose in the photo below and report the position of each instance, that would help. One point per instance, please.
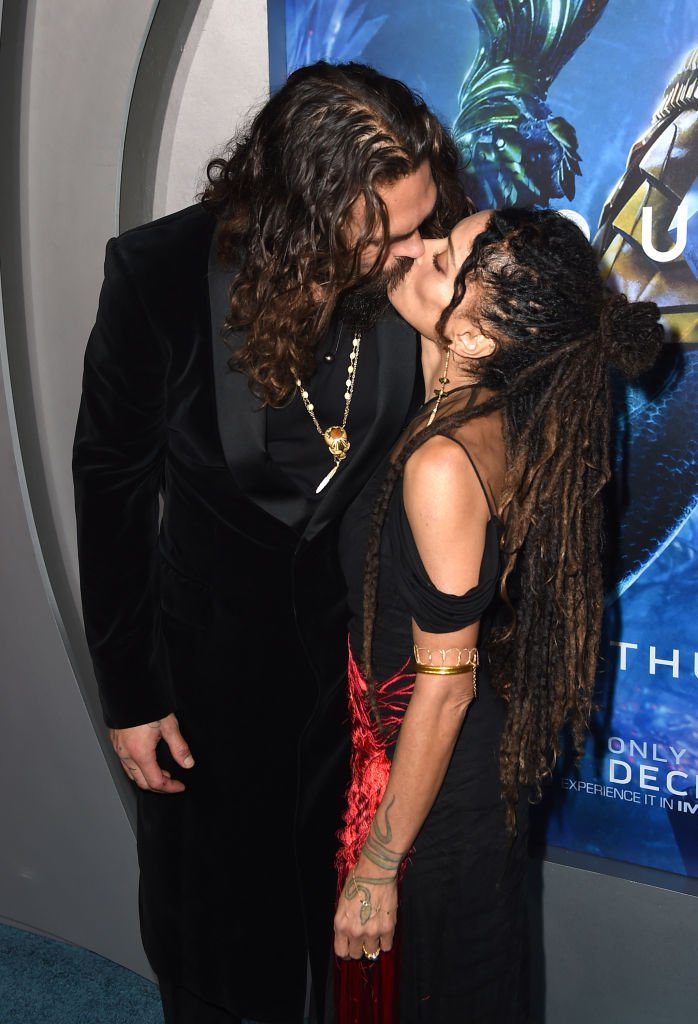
(412, 246)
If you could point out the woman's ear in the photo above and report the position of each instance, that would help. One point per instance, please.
(473, 344)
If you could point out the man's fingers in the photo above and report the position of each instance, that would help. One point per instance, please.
(155, 779)
(150, 776)
(149, 772)
(179, 748)
(129, 766)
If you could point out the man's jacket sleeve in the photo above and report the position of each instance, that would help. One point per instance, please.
(117, 466)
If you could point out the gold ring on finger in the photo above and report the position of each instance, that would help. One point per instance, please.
(374, 955)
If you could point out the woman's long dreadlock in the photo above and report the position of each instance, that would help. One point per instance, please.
(539, 295)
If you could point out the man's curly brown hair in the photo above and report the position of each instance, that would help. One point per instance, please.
(284, 195)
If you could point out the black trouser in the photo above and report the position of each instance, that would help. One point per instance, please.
(180, 1006)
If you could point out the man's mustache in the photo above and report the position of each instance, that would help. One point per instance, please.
(398, 272)
(363, 305)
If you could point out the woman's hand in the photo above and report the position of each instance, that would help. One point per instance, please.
(367, 912)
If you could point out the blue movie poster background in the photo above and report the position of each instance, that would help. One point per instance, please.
(633, 797)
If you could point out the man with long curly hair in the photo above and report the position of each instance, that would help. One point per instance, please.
(243, 371)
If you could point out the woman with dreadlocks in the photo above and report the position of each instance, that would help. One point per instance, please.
(475, 625)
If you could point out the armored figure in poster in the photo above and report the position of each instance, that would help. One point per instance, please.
(516, 151)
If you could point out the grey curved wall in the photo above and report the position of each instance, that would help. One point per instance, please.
(67, 75)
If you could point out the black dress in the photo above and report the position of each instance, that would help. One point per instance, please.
(460, 942)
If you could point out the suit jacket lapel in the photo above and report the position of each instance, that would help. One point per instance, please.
(241, 416)
(398, 352)
(242, 419)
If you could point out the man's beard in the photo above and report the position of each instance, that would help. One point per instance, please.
(363, 306)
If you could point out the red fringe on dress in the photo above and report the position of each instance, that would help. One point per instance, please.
(366, 993)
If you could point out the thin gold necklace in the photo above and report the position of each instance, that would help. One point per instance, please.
(443, 381)
(335, 437)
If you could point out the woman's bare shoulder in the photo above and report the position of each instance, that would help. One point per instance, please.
(440, 483)
(448, 513)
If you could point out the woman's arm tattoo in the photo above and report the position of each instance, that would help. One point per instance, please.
(376, 846)
(355, 887)
(376, 850)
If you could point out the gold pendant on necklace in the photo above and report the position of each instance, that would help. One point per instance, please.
(334, 437)
(337, 441)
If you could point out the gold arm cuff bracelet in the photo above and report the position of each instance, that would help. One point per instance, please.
(441, 670)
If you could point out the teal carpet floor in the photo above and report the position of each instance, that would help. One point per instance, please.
(43, 981)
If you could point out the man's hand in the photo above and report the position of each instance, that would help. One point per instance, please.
(135, 748)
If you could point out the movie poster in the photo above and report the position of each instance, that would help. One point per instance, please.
(591, 106)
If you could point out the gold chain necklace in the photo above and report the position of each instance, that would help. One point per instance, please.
(335, 437)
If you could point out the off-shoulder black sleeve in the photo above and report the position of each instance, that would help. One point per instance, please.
(433, 610)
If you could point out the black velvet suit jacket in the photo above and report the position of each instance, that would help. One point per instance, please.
(220, 612)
